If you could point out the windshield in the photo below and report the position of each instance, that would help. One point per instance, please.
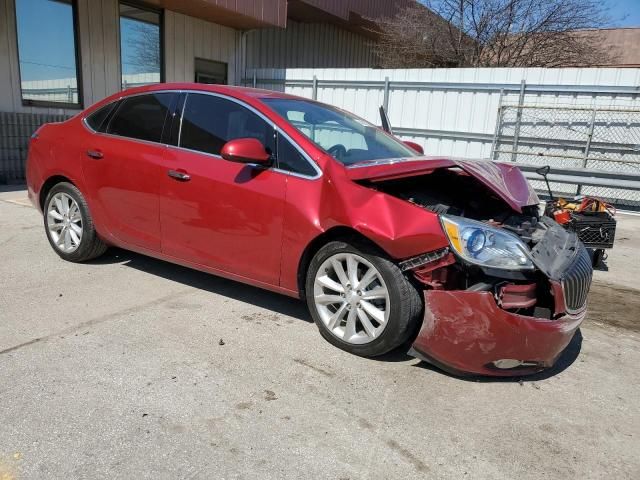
(349, 139)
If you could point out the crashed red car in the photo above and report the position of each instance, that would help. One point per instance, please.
(383, 243)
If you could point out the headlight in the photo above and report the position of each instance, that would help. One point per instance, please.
(483, 245)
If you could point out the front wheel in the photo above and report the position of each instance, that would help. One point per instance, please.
(360, 300)
(69, 225)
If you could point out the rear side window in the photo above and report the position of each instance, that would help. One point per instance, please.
(209, 122)
(291, 160)
(141, 116)
(97, 119)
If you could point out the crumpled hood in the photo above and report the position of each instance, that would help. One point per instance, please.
(504, 179)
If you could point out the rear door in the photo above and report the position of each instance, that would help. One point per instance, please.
(222, 214)
(123, 168)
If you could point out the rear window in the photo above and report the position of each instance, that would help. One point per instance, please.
(141, 116)
(97, 119)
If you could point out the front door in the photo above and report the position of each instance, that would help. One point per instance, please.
(218, 213)
(123, 168)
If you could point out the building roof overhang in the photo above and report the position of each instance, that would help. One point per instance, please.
(239, 14)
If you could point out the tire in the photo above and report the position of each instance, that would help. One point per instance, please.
(83, 246)
(402, 302)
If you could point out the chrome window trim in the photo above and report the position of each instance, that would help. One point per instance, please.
(86, 125)
(218, 157)
(120, 97)
(87, 115)
(278, 130)
(137, 140)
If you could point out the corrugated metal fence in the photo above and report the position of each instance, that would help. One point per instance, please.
(530, 116)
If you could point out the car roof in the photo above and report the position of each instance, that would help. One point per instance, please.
(237, 92)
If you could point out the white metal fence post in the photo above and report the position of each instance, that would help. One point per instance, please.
(587, 147)
(385, 101)
(496, 134)
(516, 132)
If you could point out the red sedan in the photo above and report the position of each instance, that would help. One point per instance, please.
(384, 244)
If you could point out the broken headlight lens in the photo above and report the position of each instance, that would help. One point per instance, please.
(484, 245)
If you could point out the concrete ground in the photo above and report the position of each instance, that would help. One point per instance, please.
(130, 367)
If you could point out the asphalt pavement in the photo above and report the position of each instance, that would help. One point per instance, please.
(130, 367)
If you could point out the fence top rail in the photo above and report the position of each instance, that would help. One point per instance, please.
(628, 161)
(582, 172)
(572, 107)
(492, 87)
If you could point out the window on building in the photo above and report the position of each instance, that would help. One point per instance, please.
(208, 71)
(141, 116)
(140, 46)
(47, 52)
(209, 122)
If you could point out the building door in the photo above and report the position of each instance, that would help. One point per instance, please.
(208, 71)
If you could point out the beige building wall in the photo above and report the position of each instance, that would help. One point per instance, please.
(185, 38)
(308, 45)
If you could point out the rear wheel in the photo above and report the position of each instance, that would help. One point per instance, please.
(69, 225)
(360, 300)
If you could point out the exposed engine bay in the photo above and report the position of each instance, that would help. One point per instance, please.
(552, 250)
(450, 191)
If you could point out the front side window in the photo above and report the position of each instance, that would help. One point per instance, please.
(208, 122)
(291, 160)
(140, 46)
(47, 52)
(141, 116)
(349, 139)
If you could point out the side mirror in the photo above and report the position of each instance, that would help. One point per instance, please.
(414, 146)
(246, 150)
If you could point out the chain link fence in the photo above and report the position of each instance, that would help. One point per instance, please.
(581, 138)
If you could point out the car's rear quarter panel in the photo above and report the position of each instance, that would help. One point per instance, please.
(53, 152)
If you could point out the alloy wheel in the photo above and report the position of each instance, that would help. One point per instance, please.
(64, 222)
(351, 298)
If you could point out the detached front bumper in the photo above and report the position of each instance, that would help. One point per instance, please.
(467, 332)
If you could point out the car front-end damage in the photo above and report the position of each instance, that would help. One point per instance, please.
(508, 294)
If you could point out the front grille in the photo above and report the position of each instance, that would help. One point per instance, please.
(576, 281)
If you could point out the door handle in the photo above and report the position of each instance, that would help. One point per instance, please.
(95, 154)
(180, 176)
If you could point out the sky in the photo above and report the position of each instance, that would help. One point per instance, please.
(623, 13)
(622, 8)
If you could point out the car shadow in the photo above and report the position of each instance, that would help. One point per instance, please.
(207, 282)
(566, 359)
(297, 309)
